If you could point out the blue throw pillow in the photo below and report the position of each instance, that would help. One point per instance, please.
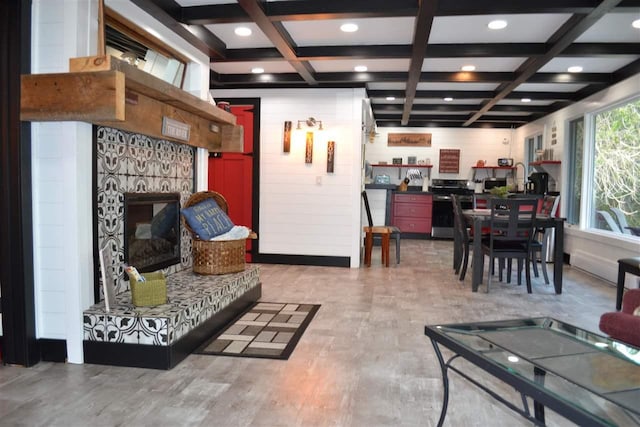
(207, 220)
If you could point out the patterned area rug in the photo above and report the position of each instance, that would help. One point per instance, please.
(267, 329)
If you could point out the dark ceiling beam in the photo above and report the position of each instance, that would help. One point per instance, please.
(456, 118)
(342, 9)
(491, 7)
(302, 10)
(279, 37)
(421, 31)
(560, 40)
(428, 77)
(167, 12)
(480, 50)
(438, 124)
(524, 108)
(476, 94)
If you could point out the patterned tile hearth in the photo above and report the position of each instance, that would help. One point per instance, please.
(267, 330)
(192, 299)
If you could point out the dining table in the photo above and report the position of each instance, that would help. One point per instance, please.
(480, 219)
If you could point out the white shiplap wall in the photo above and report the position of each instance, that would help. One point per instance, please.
(61, 168)
(61, 172)
(303, 209)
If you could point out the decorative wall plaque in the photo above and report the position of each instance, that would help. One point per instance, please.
(409, 140)
(449, 161)
(331, 150)
(286, 139)
(308, 153)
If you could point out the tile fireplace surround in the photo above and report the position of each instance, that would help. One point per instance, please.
(133, 163)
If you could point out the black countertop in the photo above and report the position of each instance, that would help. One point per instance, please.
(413, 189)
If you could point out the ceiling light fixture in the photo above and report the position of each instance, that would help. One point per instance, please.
(636, 24)
(525, 100)
(257, 70)
(468, 67)
(575, 69)
(391, 98)
(360, 68)
(349, 28)
(242, 31)
(498, 24)
(448, 99)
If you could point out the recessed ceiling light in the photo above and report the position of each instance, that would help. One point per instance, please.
(448, 99)
(636, 24)
(498, 24)
(242, 31)
(468, 68)
(349, 28)
(575, 69)
(360, 68)
(391, 98)
(257, 70)
(525, 100)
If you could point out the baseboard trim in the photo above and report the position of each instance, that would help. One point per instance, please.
(320, 261)
(53, 350)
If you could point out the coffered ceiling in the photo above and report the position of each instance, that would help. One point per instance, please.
(414, 52)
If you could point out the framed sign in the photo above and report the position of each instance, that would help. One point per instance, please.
(449, 161)
(409, 140)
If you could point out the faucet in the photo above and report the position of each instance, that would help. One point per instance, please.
(515, 176)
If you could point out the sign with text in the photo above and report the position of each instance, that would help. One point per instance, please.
(409, 140)
(449, 161)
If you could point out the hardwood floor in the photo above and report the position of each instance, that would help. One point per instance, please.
(363, 361)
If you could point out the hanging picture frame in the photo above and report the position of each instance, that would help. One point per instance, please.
(331, 150)
(286, 138)
(308, 152)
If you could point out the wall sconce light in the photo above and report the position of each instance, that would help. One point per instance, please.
(310, 122)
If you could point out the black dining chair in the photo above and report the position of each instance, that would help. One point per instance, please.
(395, 231)
(463, 237)
(512, 229)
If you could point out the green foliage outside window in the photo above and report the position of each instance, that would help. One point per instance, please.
(617, 161)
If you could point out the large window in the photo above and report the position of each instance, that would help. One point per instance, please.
(614, 162)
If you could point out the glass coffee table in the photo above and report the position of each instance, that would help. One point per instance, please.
(584, 377)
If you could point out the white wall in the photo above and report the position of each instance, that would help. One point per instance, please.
(591, 250)
(61, 168)
(474, 144)
(303, 209)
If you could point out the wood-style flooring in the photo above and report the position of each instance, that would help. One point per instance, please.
(363, 361)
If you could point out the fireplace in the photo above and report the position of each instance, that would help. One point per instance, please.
(151, 230)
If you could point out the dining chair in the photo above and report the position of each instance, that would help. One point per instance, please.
(549, 207)
(394, 232)
(463, 236)
(511, 223)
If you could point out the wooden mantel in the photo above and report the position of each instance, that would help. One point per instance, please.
(107, 91)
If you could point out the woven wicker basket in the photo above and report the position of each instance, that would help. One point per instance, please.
(153, 291)
(215, 257)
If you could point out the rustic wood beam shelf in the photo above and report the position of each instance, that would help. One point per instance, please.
(107, 91)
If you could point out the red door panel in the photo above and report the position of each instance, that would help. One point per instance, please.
(232, 174)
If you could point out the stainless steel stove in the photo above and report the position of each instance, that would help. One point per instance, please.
(442, 217)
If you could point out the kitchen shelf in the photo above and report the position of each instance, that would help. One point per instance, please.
(389, 165)
(493, 169)
(414, 166)
(545, 162)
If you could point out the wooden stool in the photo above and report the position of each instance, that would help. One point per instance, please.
(626, 265)
(385, 232)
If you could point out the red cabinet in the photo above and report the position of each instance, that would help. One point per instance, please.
(411, 213)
